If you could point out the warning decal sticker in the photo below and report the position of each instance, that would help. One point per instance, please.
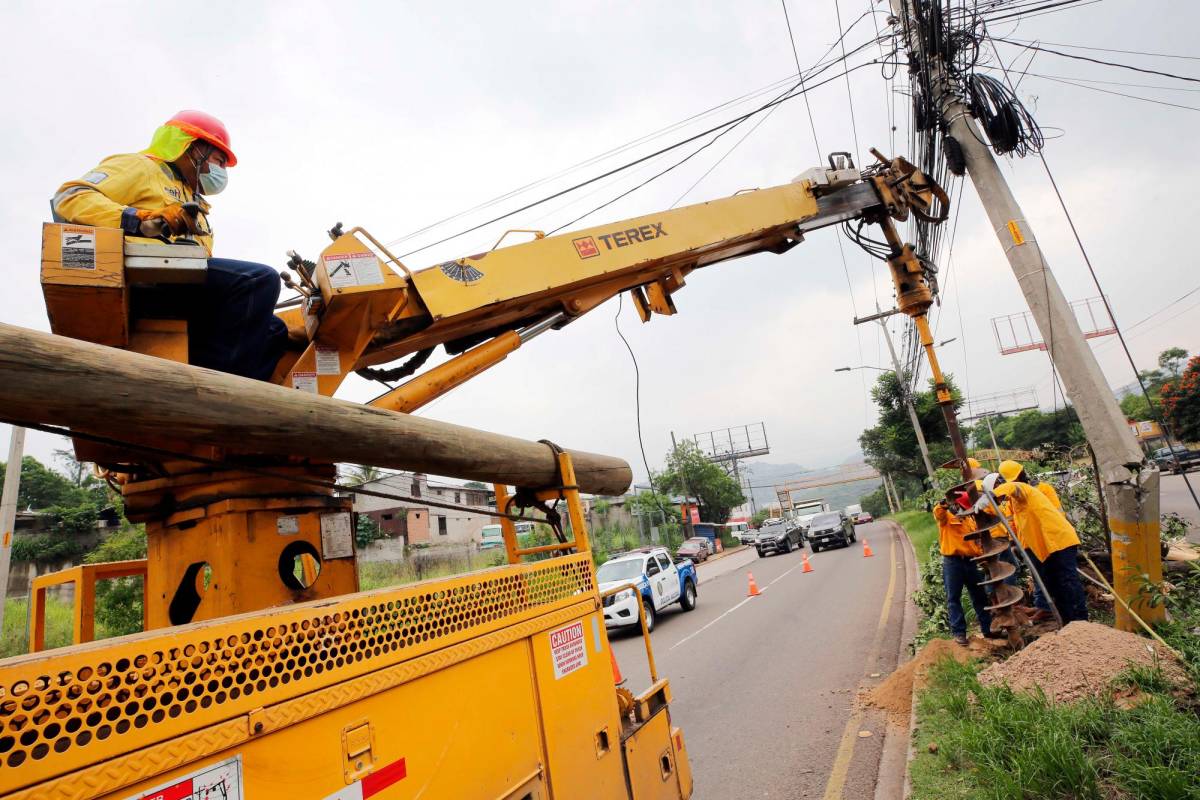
(328, 361)
(305, 382)
(337, 538)
(353, 269)
(568, 649)
(220, 781)
(78, 248)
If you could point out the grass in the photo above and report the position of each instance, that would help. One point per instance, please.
(997, 744)
(419, 567)
(922, 530)
(15, 638)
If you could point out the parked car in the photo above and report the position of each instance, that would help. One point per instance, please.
(748, 536)
(830, 528)
(781, 538)
(1176, 458)
(695, 549)
(650, 578)
(737, 530)
(863, 518)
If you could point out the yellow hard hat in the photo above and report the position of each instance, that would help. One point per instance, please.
(1010, 470)
(973, 463)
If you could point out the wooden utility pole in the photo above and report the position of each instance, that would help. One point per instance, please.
(1130, 482)
(138, 399)
(8, 510)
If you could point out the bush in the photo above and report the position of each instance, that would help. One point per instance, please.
(45, 547)
(120, 601)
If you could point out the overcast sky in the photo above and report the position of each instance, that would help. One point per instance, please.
(395, 115)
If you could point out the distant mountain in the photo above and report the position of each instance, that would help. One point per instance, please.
(764, 476)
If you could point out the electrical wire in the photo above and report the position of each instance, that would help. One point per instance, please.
(637, 404)
(1100, 61)
(792, 93)
(1106, 49)
(1119, 94)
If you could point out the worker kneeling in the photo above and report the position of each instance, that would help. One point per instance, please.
(159, 193)
(1050, 541)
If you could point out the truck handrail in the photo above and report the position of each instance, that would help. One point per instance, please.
(641, 620)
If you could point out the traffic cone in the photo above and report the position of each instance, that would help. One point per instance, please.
(754, 592)
(867, 552)
(807, 566)
(617, 677)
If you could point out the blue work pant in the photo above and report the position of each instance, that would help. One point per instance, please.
(959, 572)
(1060, 573)
(232, 325)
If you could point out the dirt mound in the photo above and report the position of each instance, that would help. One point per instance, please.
(894, 695)
(1080, 660)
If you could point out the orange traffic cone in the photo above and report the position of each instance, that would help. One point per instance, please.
(617, 677)
(807, 566)
(754, 592)
(867, 552)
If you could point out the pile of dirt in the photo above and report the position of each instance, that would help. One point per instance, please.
(895, 694)
(1080, 660)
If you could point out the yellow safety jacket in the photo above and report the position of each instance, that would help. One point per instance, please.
(951, 530)
(1041, 527)
(1050, 493)
(130, 180)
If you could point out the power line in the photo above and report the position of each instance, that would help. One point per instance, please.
(1099, 61)
(1118, 94)
(1110, 50)
(791, 94)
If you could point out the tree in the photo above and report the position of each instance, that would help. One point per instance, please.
(474, 485)
(690, 472)
(1135, 407)
(875, 503)
(891, 446)
(1181, 403)
(1171, 361)
(758, 517)
(358, 474)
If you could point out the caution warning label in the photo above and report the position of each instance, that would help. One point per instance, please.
(568, 649)
(220, 781)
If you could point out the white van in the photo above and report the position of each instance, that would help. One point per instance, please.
(741, 531)
(493, 535)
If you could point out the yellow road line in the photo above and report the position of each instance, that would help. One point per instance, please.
(841, 762)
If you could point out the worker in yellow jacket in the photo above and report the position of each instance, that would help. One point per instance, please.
(160, 193)
(1051, 543)
(1014, 471)
(959, 571)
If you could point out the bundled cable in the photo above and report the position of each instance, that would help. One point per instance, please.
(1009, 126)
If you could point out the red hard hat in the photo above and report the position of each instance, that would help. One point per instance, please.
(206, 127)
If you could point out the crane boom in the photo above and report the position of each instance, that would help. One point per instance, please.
(363, 308)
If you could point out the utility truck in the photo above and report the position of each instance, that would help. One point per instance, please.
(263, 671)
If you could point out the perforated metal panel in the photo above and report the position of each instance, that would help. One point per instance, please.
(73, 707)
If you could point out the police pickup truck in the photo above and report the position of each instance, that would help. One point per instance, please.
(652, 578)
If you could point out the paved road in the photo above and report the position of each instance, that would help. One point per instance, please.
(764, 687)
(1174, 496)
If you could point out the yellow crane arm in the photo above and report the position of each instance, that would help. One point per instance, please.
(371, 310)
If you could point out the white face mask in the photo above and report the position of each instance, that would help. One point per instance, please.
(213, 181)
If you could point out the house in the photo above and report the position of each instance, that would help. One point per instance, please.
(414, 523)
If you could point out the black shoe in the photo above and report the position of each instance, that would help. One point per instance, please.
(961, 640)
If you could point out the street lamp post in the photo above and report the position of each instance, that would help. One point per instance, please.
(908, 402)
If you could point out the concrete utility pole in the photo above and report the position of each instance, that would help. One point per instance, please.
(1130, 482)
(908, 401)
(8, 510)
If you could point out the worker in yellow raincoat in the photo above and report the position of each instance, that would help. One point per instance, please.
(959, 571)
(1014, 471)
(160, 193)
(1051, 543)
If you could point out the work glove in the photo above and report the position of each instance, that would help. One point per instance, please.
(173, 219)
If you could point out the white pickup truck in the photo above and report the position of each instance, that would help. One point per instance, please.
(653, 578)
